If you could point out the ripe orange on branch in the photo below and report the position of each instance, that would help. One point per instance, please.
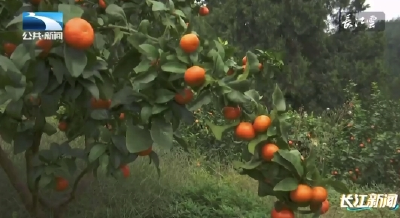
(261, 123)
(268, 151)
(204, 11)
(61, 184)
(62, 126)
(9, 48)
(324, 207)
(284, 213)
(102, 4)
(146, 152)
(45, 45)
(195, 76)
(184, 97)
(319, 194)
(125, 171)
(231, 113)
(100, 103)
(189, 43)
(302, 194)
(78, 34)
(245, 131)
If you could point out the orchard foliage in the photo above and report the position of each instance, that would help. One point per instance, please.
(124, 77)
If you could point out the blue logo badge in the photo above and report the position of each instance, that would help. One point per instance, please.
(42, 21)
(369, 208)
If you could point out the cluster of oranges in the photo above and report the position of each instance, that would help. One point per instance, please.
(195, 76)
(248, 131)
(314, 197)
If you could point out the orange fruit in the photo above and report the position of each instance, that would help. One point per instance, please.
(99, 103)
(125, 171)
(361, 145)
(290, 142)
(230, 72)
(45, 45)
(102, 4)
(78, 33)
(121, 116)
(189, 43)
(368, 140)
(352, 138)
(260, 66)
(324, 207)
(244, 61)
(350, 172)
(61, 184)
(261, 123)
(319, 194)
(268, 151)
(185, 97)
(195, 76)
(231, 113)
(9, 48)
(245, 131)
(146, 152)
(357, 170)
(302, 194)
(284, 213)
(204, 11)
(62, 126)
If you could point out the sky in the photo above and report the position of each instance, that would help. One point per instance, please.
(391, 8)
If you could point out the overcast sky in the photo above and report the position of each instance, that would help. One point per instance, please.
(391, 8)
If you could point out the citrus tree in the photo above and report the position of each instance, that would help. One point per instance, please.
(124, 76)
(271, 158)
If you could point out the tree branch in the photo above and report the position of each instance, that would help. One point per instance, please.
(21, 187)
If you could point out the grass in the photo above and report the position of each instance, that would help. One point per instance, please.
(188, 188)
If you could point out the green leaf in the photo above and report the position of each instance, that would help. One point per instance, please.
(164, 96)
(116, 11)
(137, 139)
(338, 186)
(290, 161)
(278, 99)
(123, 96)
(22, 142)
(252, 164)
(156, 160)
(150, 51)
(91, 87)
(219, 130)
(16, 20)
(158, 6)
(174, 67)
(100, 114)
(104, 161)
(145, 113)
(204, 98)
(286, 185)
(253, 143)
(70, 11)
(182, 142)
(143, 66)
(14, 109)
(241, 86)
(49, 129)
(264, 189)
(75, 61)
(284, 128)
(20, 56)
(237, 97)
(161, 132)
(14, 93)
(96, 151)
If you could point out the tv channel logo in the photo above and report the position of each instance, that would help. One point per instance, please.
(42, 21)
